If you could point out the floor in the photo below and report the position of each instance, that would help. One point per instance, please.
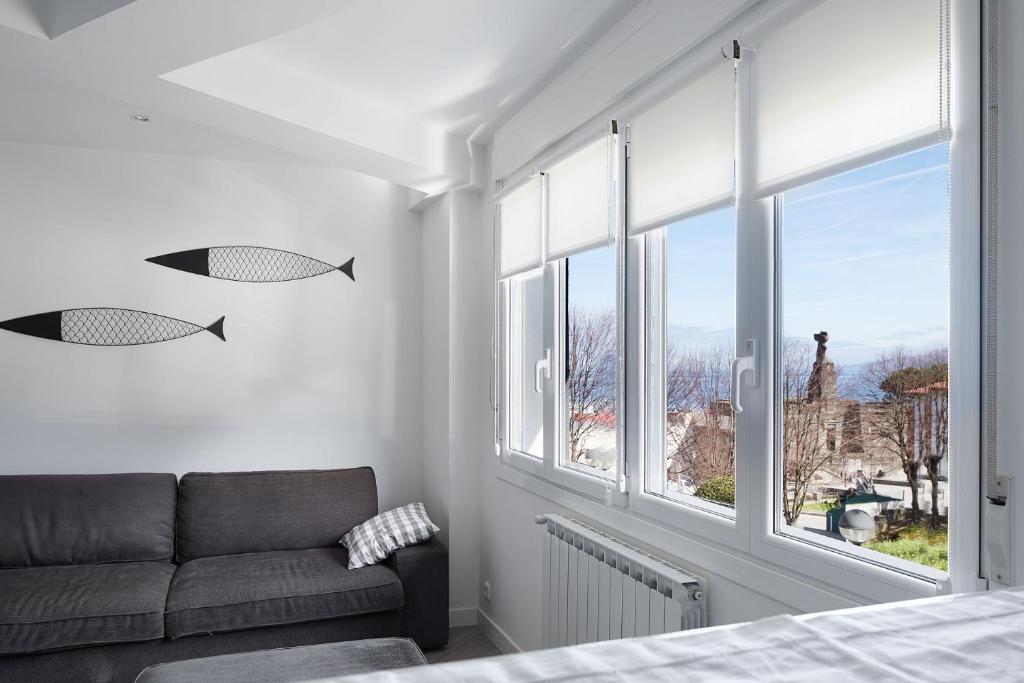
(465, 642)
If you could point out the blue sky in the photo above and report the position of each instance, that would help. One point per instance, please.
(864, 255)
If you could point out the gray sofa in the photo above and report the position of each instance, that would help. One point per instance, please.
(104, 575)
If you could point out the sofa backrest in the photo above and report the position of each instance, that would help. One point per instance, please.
(227, 513)
(86, 518)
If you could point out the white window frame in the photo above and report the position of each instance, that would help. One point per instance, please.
(753, 531)
(861, 574)
(523, 460)
(692, 516)
(549, 468)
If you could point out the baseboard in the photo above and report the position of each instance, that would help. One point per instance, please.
(462, 616)
(505, 645)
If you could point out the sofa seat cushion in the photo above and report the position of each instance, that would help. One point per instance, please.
(234, 592)
(50, 608)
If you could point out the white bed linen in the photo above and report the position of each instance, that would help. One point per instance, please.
(977, 637)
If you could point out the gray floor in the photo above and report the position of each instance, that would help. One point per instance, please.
(466, 642)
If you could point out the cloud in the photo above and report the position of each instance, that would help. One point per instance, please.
(878, 182)
(857, 257)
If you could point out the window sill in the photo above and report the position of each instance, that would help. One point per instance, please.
(690, 519)
(575, 481)
(881, 583)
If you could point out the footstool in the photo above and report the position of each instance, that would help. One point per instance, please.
(290, 664)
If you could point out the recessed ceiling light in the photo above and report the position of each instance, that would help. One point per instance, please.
(141, 118)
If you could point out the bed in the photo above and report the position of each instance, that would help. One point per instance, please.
(951, 638)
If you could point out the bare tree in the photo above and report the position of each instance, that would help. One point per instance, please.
(805, 446)
(933, 401)
(891, 381)
(590, 374)
(700, 434)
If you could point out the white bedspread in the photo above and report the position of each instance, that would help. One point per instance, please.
(963, 638)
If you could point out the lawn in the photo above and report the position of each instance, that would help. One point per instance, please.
(917, 543)
(821, 507)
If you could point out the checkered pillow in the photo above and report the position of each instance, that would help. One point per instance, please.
(376, 538)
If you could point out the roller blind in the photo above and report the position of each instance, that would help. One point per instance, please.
(681, 153)
(843, 85)
(581, 200)
(520, 227)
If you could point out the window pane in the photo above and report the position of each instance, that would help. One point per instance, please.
(863, 393)
(692, 314)
(590, 362)
(525, 348)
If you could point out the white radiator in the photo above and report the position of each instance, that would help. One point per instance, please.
(597, 587)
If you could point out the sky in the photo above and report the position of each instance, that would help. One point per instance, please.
(864, 255)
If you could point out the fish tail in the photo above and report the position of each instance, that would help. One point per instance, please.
(217, 328)
(346, 268)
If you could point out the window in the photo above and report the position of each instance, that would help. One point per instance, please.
(691, 301)
(798, 256)
(561, 321)
(526, 347)
(591, 377)
(863, 334)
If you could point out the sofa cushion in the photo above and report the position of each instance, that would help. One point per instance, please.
(377, 538)
(291, 664)
(251, 512)
(48, 608)
(86, 519)
(234, 592)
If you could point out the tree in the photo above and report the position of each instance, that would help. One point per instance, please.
(891, 381)
(932, 396)
(805, 447)
(590, 380)
(700, 436)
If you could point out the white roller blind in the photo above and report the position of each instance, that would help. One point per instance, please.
(581, 211)
(520, 219)
(682, 152)
(845, 84)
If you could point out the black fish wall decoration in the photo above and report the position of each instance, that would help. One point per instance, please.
(107, 327)
(250, 264)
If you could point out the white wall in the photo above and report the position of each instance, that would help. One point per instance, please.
(453, 304)
(315, 373)
(434, 361)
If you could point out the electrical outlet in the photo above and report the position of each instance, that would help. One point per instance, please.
(487, 591)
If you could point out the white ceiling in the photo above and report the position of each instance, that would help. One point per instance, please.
(51, 18)
(405, 90)
(456, 64)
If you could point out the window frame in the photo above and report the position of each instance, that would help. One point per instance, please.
(550, 468)
(559, 389)
(865, 573)
(706, 520)
(753, 532)
(522, 459)
(912, 570)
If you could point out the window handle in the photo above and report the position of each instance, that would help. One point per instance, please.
(740, 365)
(543, 366)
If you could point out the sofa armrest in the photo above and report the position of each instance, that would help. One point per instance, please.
(423, 570)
